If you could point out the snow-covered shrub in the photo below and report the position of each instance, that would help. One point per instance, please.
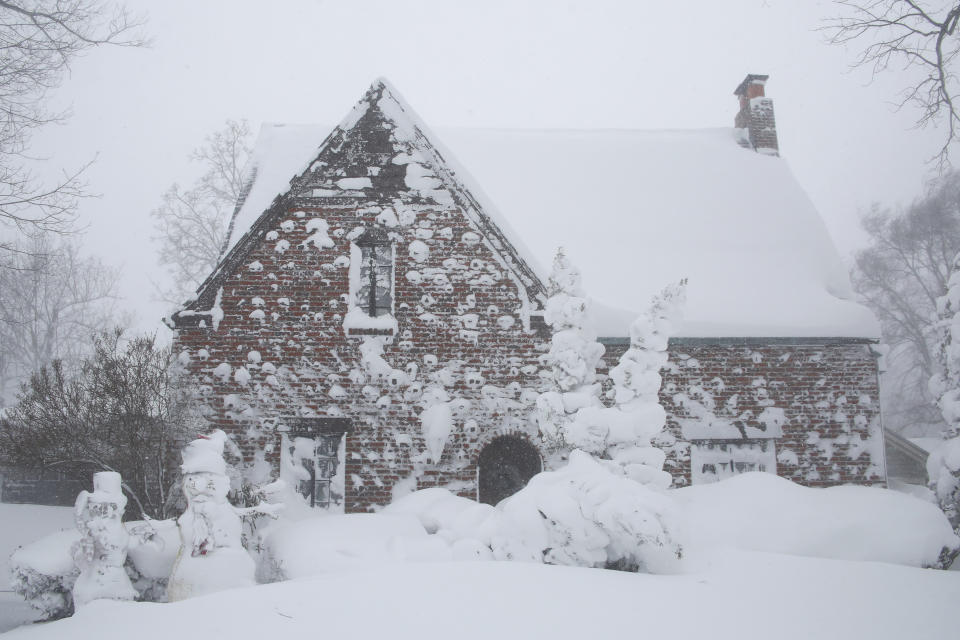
(598, 512)
(943, 467)
(638, 416)
(589, 514)
(44, 573)
(585, 514)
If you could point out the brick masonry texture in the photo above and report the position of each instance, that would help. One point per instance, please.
(450, 325)
(763, 125)
(829, 393)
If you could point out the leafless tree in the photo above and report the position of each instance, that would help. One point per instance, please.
(900, 275)
(38, 41)
(909, 34)
(52, 300)
(194, 225)
(123, 409)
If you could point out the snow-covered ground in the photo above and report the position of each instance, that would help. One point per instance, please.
(763, 512)
(757, 551)
(21, 524)
(740, 595)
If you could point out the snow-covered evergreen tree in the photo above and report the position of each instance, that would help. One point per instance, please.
(943, 466)
(588, 514)
(639, 415)
(571, 363)
(615, 455)
(571, 413)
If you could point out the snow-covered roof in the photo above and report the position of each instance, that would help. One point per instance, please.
(635, 210)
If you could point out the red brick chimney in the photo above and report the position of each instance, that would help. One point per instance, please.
(755, 117)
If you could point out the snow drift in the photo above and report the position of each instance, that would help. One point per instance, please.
(763, 512)
(744, 596)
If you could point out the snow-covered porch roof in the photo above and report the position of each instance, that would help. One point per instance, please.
(636, 210)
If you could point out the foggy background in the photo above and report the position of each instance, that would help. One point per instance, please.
(140, 112)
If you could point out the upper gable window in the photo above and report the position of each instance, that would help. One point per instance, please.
(375, 294)
(371, 286)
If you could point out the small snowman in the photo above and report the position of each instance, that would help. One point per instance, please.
(102, 548)
(211, 557)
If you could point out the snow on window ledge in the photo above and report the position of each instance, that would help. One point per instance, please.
(358, 323)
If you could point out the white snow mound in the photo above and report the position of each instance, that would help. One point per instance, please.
(746, 596)
(763, 512)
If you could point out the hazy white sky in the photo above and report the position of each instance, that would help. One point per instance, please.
(599, 64)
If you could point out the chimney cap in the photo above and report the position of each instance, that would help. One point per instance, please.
(752, 78)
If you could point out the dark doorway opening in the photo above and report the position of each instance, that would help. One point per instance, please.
(505, 467)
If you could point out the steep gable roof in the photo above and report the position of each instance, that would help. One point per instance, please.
(635, 210)
(380, 154)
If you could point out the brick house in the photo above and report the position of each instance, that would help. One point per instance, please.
(368, 280)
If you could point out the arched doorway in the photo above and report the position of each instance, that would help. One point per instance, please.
(505, 467)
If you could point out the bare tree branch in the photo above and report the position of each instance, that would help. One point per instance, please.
(51, 301)
(909, 34)
(900, 276)
(193, 226)
(39, 39)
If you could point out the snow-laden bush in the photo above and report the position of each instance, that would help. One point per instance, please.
(611, 511)
(943, 466)
(749, 512)
(44, 572)
(589, 514)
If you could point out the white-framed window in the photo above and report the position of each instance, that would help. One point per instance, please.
(371, 300)
(313, 459)
(711, 460)
(375, 288)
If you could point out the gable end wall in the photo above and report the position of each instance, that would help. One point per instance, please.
(461, 307)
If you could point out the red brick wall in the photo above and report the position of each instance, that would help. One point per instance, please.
(829, 394)
(305, 292)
